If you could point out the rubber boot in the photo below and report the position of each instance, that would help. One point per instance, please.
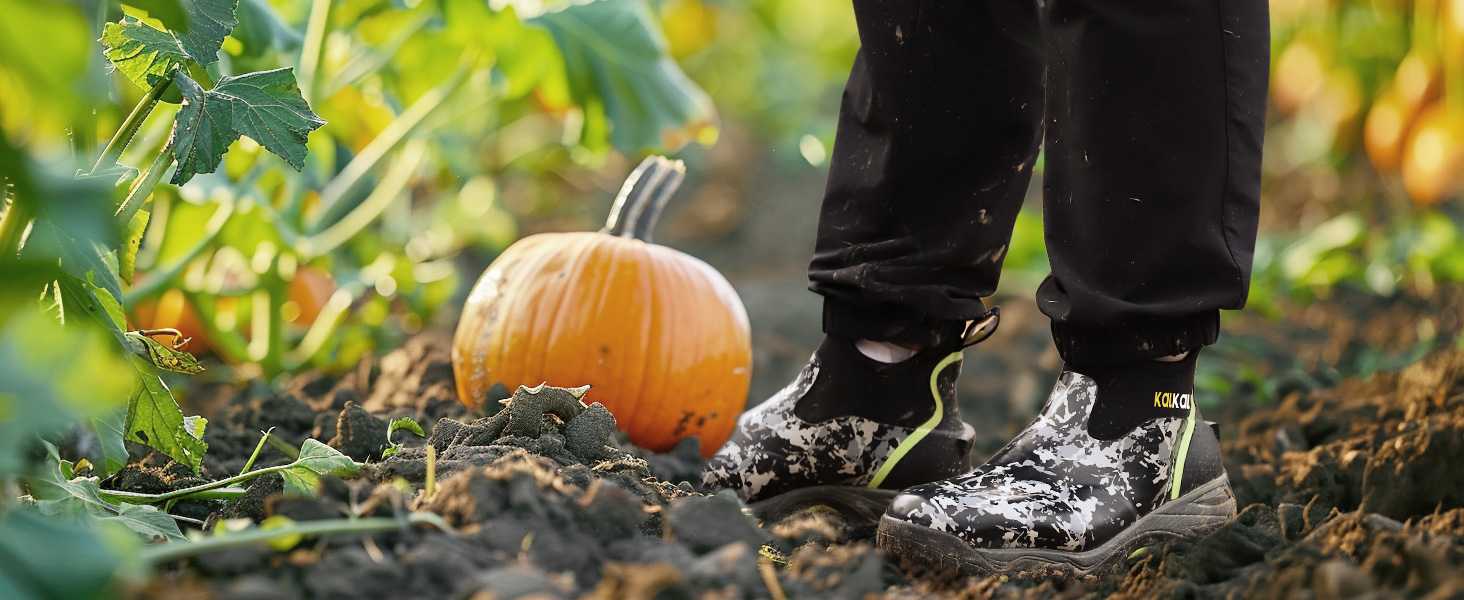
(849, 431)
(1117, 459)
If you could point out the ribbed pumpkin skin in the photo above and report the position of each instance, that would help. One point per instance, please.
(661, 337)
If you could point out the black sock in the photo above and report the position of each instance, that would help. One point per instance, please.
(850, 383)
(1129, 395)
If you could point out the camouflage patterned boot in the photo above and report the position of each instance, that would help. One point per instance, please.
(1117, 459)
(849, 432)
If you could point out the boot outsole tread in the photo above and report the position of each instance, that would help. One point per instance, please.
(1195, 514)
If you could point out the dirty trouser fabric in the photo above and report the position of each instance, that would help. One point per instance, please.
(1152, 115)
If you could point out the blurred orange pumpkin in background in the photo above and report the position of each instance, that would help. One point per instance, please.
(310, 289)
(1434, 156)
(661, 337)
(172, 311)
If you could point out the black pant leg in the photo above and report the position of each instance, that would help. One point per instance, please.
(938, 130)
(1155, 113)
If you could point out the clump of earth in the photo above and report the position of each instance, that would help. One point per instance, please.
(1348, 491)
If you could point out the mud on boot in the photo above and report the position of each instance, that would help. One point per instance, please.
(1117, 459)
(849, 432)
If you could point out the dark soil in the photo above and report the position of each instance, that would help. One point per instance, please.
(1348, 490)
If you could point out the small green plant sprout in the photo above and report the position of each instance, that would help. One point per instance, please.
(253, 456)
(404, 423)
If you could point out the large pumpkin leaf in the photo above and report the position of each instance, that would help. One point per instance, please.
(615, 57)
(264, 105)
(145, 53)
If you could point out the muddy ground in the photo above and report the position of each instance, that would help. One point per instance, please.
(1348, 490)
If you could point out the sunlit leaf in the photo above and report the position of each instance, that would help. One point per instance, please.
(140, 52)
(164, 357)
(614, 53)
(154, 419)
(265, 105)
(146, 54)
(302, 478)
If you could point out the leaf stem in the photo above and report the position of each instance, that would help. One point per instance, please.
(270, 326)
(312, 50)
(330, 318)
(229, 343)
(257, 449)
(194, 492)
(215, 493)
(131, 124)
(396, 179)
(161, 279)
(163, 553)
(145, 184)
(333, 196)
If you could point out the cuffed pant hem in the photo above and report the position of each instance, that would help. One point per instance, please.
(1133, 342)
(889, 323)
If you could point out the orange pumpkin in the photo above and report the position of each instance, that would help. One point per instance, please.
(661, 337)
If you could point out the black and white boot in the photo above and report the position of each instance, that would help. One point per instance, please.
(1117, 459)
(849, 432)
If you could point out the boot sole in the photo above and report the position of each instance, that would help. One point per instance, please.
(1193, 515)
(860, 507)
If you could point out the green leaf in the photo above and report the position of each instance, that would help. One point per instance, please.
(209, 22)
(264, 105)
(82, 496)
(154, 419)
(141, 52)
(406, 423)
(170, 12)
(109, 429)
(111, 313)
(614, 54)
(300, 482)
(164, 357)
(73, 220)
(49, 376)
(316, 459)
(55, 558)
(145, 54)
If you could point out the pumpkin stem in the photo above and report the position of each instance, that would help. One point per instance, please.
(645, 193)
